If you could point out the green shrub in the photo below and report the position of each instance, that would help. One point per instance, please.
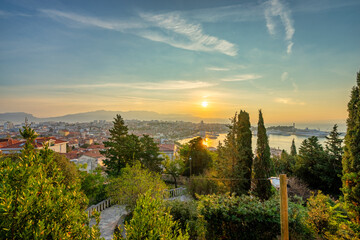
(205, 184)
(152, 220)
(328, 219)
(187, 215)
(246, 217)
(134, 181)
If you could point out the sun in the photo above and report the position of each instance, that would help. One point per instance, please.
(204, 104)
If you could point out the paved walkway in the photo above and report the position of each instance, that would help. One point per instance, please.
(109, 218)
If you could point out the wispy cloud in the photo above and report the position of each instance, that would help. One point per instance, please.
(284, 76)
(193, 37)
(288, 101)
(170, 28)
(5, 14)
(243, 77)
(92, 21)
(274, 8)
(166, 85)
(217, 69)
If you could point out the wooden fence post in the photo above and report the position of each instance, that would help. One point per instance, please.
(284, 208)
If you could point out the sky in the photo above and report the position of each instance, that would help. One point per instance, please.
(295, 60)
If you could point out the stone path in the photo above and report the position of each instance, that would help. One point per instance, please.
(109, 218)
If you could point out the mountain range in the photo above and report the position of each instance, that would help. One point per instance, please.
(19, 117)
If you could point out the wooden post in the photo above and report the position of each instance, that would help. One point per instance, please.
(284, 208)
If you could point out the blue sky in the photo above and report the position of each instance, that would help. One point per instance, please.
(296, 60)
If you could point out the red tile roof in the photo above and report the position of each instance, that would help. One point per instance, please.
(166, 147)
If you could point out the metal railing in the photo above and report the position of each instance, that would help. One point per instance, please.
(99, 207)
(169, 193)
(176, 192)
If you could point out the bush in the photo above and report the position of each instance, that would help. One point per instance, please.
(246, 217)
(328, 219)
(187, 215)
(151, 220)
(93, 185)
(206, 184)
(134, 181)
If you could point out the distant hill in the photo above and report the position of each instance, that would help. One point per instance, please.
(19, 117)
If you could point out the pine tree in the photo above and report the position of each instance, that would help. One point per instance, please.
(116, 152)
(262, 162)
(244, 152)
(293, 148)
(351, 158)
(334, 152)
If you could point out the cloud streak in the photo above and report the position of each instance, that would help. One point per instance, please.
(288, 101)
(170, 28)
(274, 8)
(243, 77)
(166, 85)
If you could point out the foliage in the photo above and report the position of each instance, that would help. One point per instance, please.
(173, 167)
(351, 159)
(115, 152)
(124, 148)
(196, 157)
(188, 217)
(312, 164)
(293, 148)
(152, 220)
(149, 155)
(35, 202)
(328, 220)
(93, 185)
(262, 163)
(133, 182)
(285, 164)
(235, 157)
(67, 168)
(334, 151)
(206, 184)
(246, 217)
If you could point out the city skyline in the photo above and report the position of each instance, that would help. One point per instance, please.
(295, 60)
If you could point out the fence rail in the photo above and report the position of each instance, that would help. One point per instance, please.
(176, 192)
(99, 207)
(170, 193)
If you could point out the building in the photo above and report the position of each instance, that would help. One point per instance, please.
(55, 144)
(167, 149)
(90, 161)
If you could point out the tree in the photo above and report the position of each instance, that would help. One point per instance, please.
(35, 202)
(351, 158)
(124, 148)
(115, 154)
(334, 151)
(134, 181)
(262, 162)
(150, 155)
(293, 148)
(196, 157)
(312, 164)
(93, 185)
(244, 150)
(152, 220)
(235, 157)
(174, 168)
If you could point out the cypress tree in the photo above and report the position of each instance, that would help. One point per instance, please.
(351, 158)
(262, 162)
(293, 148)
(244, 152)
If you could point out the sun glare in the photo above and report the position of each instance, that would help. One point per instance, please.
(204, 104)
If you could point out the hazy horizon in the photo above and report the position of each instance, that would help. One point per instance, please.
(295, 60)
